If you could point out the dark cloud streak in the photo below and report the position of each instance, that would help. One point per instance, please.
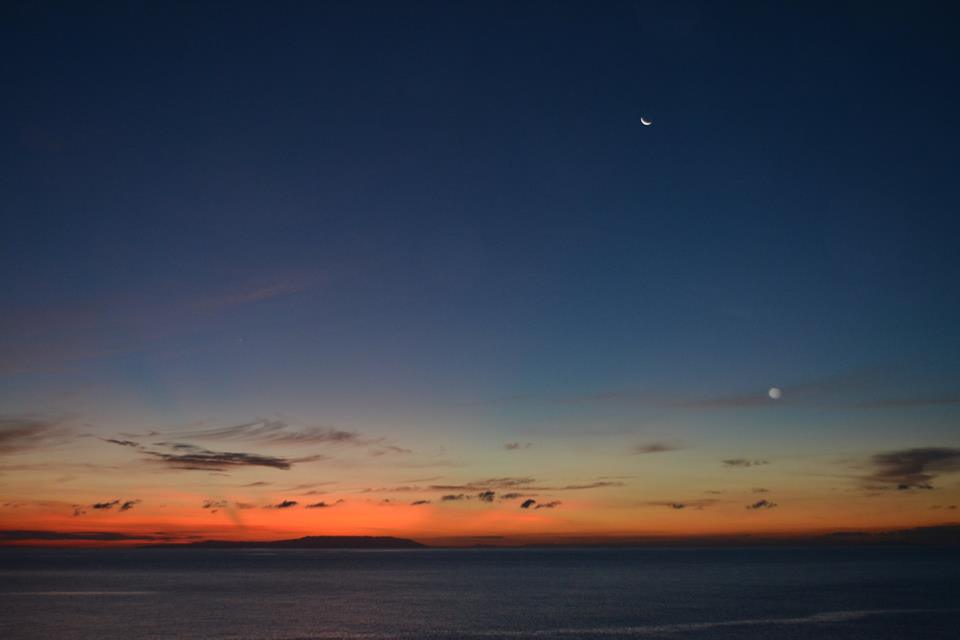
(913, 468)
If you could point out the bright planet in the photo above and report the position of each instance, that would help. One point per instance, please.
(774, 393)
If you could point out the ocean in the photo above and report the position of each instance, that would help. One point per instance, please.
(825, 593)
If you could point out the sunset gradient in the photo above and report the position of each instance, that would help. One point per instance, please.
(419, 271)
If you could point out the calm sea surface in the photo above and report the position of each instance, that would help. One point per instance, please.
(438, 594)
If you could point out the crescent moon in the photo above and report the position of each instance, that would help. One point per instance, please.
(646, 122)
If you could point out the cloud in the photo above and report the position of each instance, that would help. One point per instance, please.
(122, 443)
(528, 503)
(832, 388)
(739, 401)
(484, 485)
(249, 296)
(259, 483)
(253, 294)
(677, 505)
(405, 488)
(416, 503)
(384, 449)
(914, 468)
(653, 447)
(762, 504)
(323, 505)
(107, 505)
(123, 505)
(309, 485)
(520, 483)
(451, 497)
(190, 457)
(744, 463)
(102, 536)
(917, 401)
(214, 505)
(513, 496)
(549, 505)
(577, 487)
(18, 434)
(60, 337)
(486, 496)
(285, 504)
(515, 446)
(760, 490)
(268, 432)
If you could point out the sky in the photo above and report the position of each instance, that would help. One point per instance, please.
(417, 269)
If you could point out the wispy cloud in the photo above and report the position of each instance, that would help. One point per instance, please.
(577, 487)
(944, 399)
(323, 505)
(215, 505)
(417, 503)
(697, 505)
(516, 446)
(513, 496)
(18, 434)
(185, 456)
(762, 504)
(744, 462)
(273, 432)
(107, 505)
(256, 293)
(532, 504)
(833, 389)
(188, 457)
(913, 468)
(122, 443)
(522, 483)
(745, 401)
(268, 433)
(653, 447)
(284, 504)
(51, 339)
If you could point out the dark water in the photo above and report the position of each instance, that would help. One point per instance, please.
(439, 594)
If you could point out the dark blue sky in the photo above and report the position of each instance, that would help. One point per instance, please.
(262, 206)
